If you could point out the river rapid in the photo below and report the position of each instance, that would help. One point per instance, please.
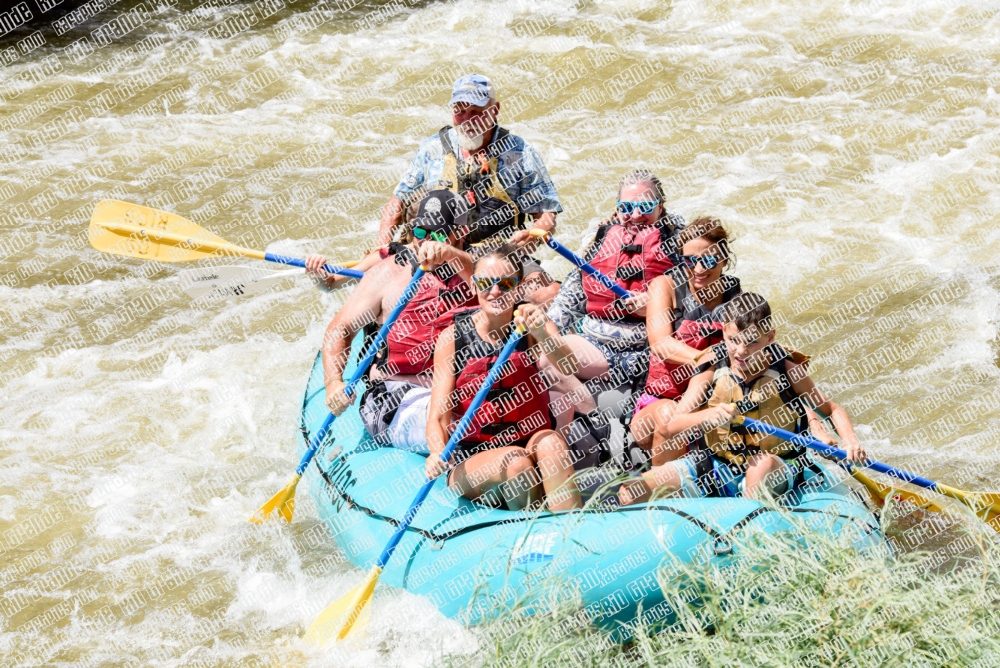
(852, 148)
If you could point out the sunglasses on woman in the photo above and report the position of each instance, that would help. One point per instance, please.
(486, 283)
(707, 261)
(645, 207)
(436, 235)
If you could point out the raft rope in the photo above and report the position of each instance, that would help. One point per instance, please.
(354, 505)
(723, 540)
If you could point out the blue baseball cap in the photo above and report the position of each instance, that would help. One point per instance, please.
(473, 89)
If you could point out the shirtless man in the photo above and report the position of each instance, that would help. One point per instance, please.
(394, 407)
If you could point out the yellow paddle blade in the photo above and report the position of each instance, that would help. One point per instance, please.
(881, 492)
(283, 502)
(984, 504)
(988, 499)
(347, 612)
(979, 501)
(130, 230)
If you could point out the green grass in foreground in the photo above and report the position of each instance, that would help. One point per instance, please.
(935, 603)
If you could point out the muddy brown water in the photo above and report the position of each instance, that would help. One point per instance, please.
(852, 149)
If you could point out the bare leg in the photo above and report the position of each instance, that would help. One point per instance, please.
(507, 472)
(664, 478)
(551, 454)
(590, 364)
(759, 467)
(642, 427)
(569, 395)
(590, 361)
(649, 429)
(561, 407)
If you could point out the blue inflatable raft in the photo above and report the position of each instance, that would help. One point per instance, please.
(474, 562)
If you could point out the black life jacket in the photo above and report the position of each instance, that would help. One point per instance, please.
(492, 212)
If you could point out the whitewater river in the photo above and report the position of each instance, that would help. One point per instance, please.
(851, 147)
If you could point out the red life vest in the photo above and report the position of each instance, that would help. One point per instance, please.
(693, 325)
(515, 408)
(409, 346)
(633, 258)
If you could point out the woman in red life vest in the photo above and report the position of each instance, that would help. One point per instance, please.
(683, 319)
(510, 446)
(634, 247)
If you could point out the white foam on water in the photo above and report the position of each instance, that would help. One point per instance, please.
(154, 449)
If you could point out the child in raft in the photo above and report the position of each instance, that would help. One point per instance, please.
(682, 320)
(754, 376)
(495, 462)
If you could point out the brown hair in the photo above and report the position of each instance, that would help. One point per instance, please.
(713, 231)
(507, 252)
(746, 310)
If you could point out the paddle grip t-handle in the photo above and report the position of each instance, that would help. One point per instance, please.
(296, 262)
(578, 261)
(823, 448)
(456, 436)
(363, 363)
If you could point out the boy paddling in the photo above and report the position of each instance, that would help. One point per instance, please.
(755, 376)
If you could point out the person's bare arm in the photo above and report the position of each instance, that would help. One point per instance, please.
(818, 429)
(541, 221)
(368, 261)
(822, 404)
(434, 253)
(439, 413)
(364, 305)
(546, 334)
(715, 416)
(544, 221)
(636, 304)
(660, 324)
(329, 282)
(392, 217)
(696, 393)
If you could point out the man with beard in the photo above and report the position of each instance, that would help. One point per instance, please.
(499, 175)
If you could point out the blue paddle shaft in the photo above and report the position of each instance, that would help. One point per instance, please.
(456, 436)
(296, 262)
(585, 266)
(363, 363)
(809, 442)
